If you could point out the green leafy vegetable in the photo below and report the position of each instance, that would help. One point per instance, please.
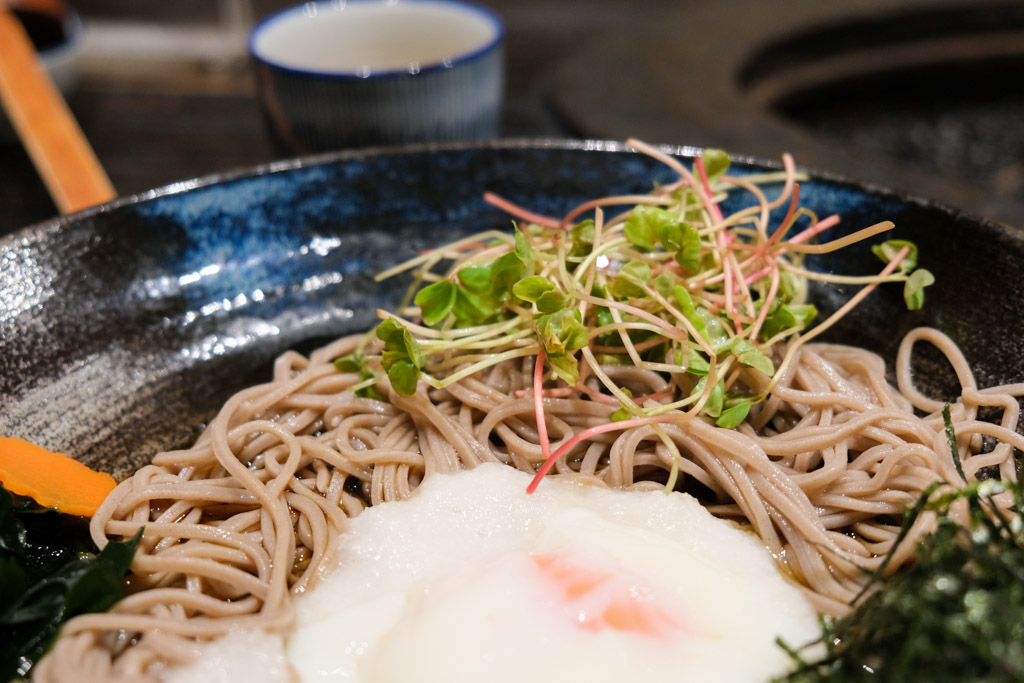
(888, 250)
(357, 362)
(643, 224)
(631, 280)
(532, 288)
(716, 398)
(714, 331)
(734, 414)
(788, 317)
(697, 364)
(551, 302)
(716, 163)
(752, 357)
(917, 279)
(913, 290)
(623, 412)
(436, 301)
(49, 572)
(688, 252)
(513, 266)
(582, 238)
(402, 358)
(689, 311)
(476, 279)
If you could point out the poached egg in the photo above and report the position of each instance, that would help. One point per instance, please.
(474, 579)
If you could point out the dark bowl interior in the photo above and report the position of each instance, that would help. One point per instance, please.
(124, 328)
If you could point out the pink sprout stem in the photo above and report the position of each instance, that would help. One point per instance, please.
(786, 222)
(772, 289)
(586, 434)
(538, 404)
(519, 212)
(819, 227)
(566, 222)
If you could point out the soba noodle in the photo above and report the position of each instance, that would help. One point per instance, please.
(236, 525)
(245, 518)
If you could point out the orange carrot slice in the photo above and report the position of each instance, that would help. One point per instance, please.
(52, 479)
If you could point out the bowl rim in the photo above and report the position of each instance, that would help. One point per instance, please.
(597, 145)
(486, 13)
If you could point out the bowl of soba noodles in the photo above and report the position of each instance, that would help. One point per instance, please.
(513, 409)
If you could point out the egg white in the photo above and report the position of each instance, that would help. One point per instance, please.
(473, 579)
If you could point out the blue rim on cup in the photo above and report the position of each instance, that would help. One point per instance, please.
(352, 73)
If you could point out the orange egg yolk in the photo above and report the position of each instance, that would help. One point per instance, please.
(600, 599)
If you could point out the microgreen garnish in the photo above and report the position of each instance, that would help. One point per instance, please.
(402, 358)
(715, 303)
(358, 363)
(917, 279)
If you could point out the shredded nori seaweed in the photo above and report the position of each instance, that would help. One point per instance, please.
(955, 614)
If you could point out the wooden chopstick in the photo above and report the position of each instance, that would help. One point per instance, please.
(51, 135)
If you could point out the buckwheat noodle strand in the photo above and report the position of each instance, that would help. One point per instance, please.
(248, 516)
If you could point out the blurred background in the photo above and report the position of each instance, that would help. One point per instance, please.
(925, 96)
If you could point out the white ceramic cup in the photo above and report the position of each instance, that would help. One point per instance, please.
(370, 72)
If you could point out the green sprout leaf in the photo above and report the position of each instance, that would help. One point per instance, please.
(789, 286)
(436, 301)
(352, 362)
(622, 413)
(550, 302)
(532, 288)
(631, 280)
(404, 374)
(511, 267)
(716, 400)
(565, 367)
(561, 331)
(644, 224)
(470, 308)
(787, 317)
(688, 254)
(734, 415)
(663, 284)
(356, 362)
(476, 279)
(689, 311)
(582, 237)
(888, 250)
(752, 357)
(715, 331)
(716, 163)
(402, 358)
(913, 289)
(698, 364)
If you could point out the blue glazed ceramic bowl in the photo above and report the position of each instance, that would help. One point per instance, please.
(125, 327)
(371, 72)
